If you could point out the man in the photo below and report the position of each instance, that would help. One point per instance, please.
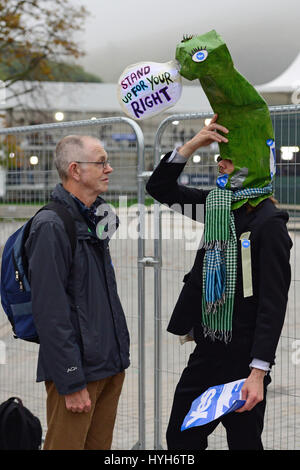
(84, 341)
(236, 332)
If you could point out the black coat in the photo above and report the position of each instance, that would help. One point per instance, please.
(257, 320)
(76, 308)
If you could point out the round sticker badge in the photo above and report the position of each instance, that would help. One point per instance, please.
(271, 144)
(222, 181)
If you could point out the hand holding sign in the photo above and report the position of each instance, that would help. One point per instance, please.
(213, 403)
(148, 88)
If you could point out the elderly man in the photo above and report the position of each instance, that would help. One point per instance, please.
(84, 341)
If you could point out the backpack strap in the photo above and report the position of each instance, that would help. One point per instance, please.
(67, 219)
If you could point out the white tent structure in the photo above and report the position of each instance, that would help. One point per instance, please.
(83, 100)
(285, 89)
(89, 97)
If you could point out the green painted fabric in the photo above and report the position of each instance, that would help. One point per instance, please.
(250, 147)
(240, 108)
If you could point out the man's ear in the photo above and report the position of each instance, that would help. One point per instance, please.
(74, 171)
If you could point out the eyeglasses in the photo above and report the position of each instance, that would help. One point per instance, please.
(103, 163)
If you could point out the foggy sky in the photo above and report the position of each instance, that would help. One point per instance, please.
(262, 35)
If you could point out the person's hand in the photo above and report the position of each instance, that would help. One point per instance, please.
(252, 390)
(205, 137)
(78, 402)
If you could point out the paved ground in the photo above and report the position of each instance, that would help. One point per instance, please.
(282, 424)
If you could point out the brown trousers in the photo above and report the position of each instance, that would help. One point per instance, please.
(83, 431)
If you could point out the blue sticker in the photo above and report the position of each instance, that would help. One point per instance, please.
(271, 144)
(222, 181)
(200, 56)
(245, 243)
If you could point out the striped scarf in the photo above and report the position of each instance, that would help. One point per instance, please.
(220, 261)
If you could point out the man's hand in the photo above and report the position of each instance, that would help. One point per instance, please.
(205, 137)
(253, 390)
(78, 402)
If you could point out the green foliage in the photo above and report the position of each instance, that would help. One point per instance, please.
(37, 43)
(59, 72)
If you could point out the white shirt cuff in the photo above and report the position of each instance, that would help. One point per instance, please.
(175, 157)
(259, 364)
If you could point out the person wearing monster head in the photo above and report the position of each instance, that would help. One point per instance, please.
(234, 299)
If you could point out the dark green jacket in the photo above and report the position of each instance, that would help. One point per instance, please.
(76, 308)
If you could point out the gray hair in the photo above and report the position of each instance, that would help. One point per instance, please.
(68, 149)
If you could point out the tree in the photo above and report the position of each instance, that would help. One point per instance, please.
(59, 72)
(35, 34)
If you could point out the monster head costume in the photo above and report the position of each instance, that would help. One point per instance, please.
(240, 108)
(251, 149)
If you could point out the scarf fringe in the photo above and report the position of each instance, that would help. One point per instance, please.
(216, 244)
(225, 336)
(211, 308)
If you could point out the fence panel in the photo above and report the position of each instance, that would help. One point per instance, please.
(177, 241)
(27, 177)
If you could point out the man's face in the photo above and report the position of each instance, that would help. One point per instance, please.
(94, 177)
(225, 166)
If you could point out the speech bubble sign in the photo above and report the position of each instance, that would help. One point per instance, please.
(146, 89)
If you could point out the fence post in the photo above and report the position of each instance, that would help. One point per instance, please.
(274, 110)
(141, 249)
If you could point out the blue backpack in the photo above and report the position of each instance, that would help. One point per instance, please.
(15, 287)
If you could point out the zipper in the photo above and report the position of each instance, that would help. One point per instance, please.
(17, 274)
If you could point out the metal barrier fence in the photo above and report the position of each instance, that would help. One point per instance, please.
(27, 177)
(170, 242)
(174, 255)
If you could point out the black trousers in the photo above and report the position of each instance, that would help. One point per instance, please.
(243, 430)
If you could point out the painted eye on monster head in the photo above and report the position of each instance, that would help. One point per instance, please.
(199, 55)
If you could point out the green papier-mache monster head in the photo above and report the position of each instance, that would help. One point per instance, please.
(240, 108)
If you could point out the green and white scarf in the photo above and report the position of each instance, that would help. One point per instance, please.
(220, 261)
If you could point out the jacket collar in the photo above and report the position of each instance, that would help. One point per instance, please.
(80, 212)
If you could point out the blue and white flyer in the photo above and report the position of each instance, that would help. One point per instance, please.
(213, 403)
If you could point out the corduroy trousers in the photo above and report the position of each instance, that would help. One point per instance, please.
(83, 431)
